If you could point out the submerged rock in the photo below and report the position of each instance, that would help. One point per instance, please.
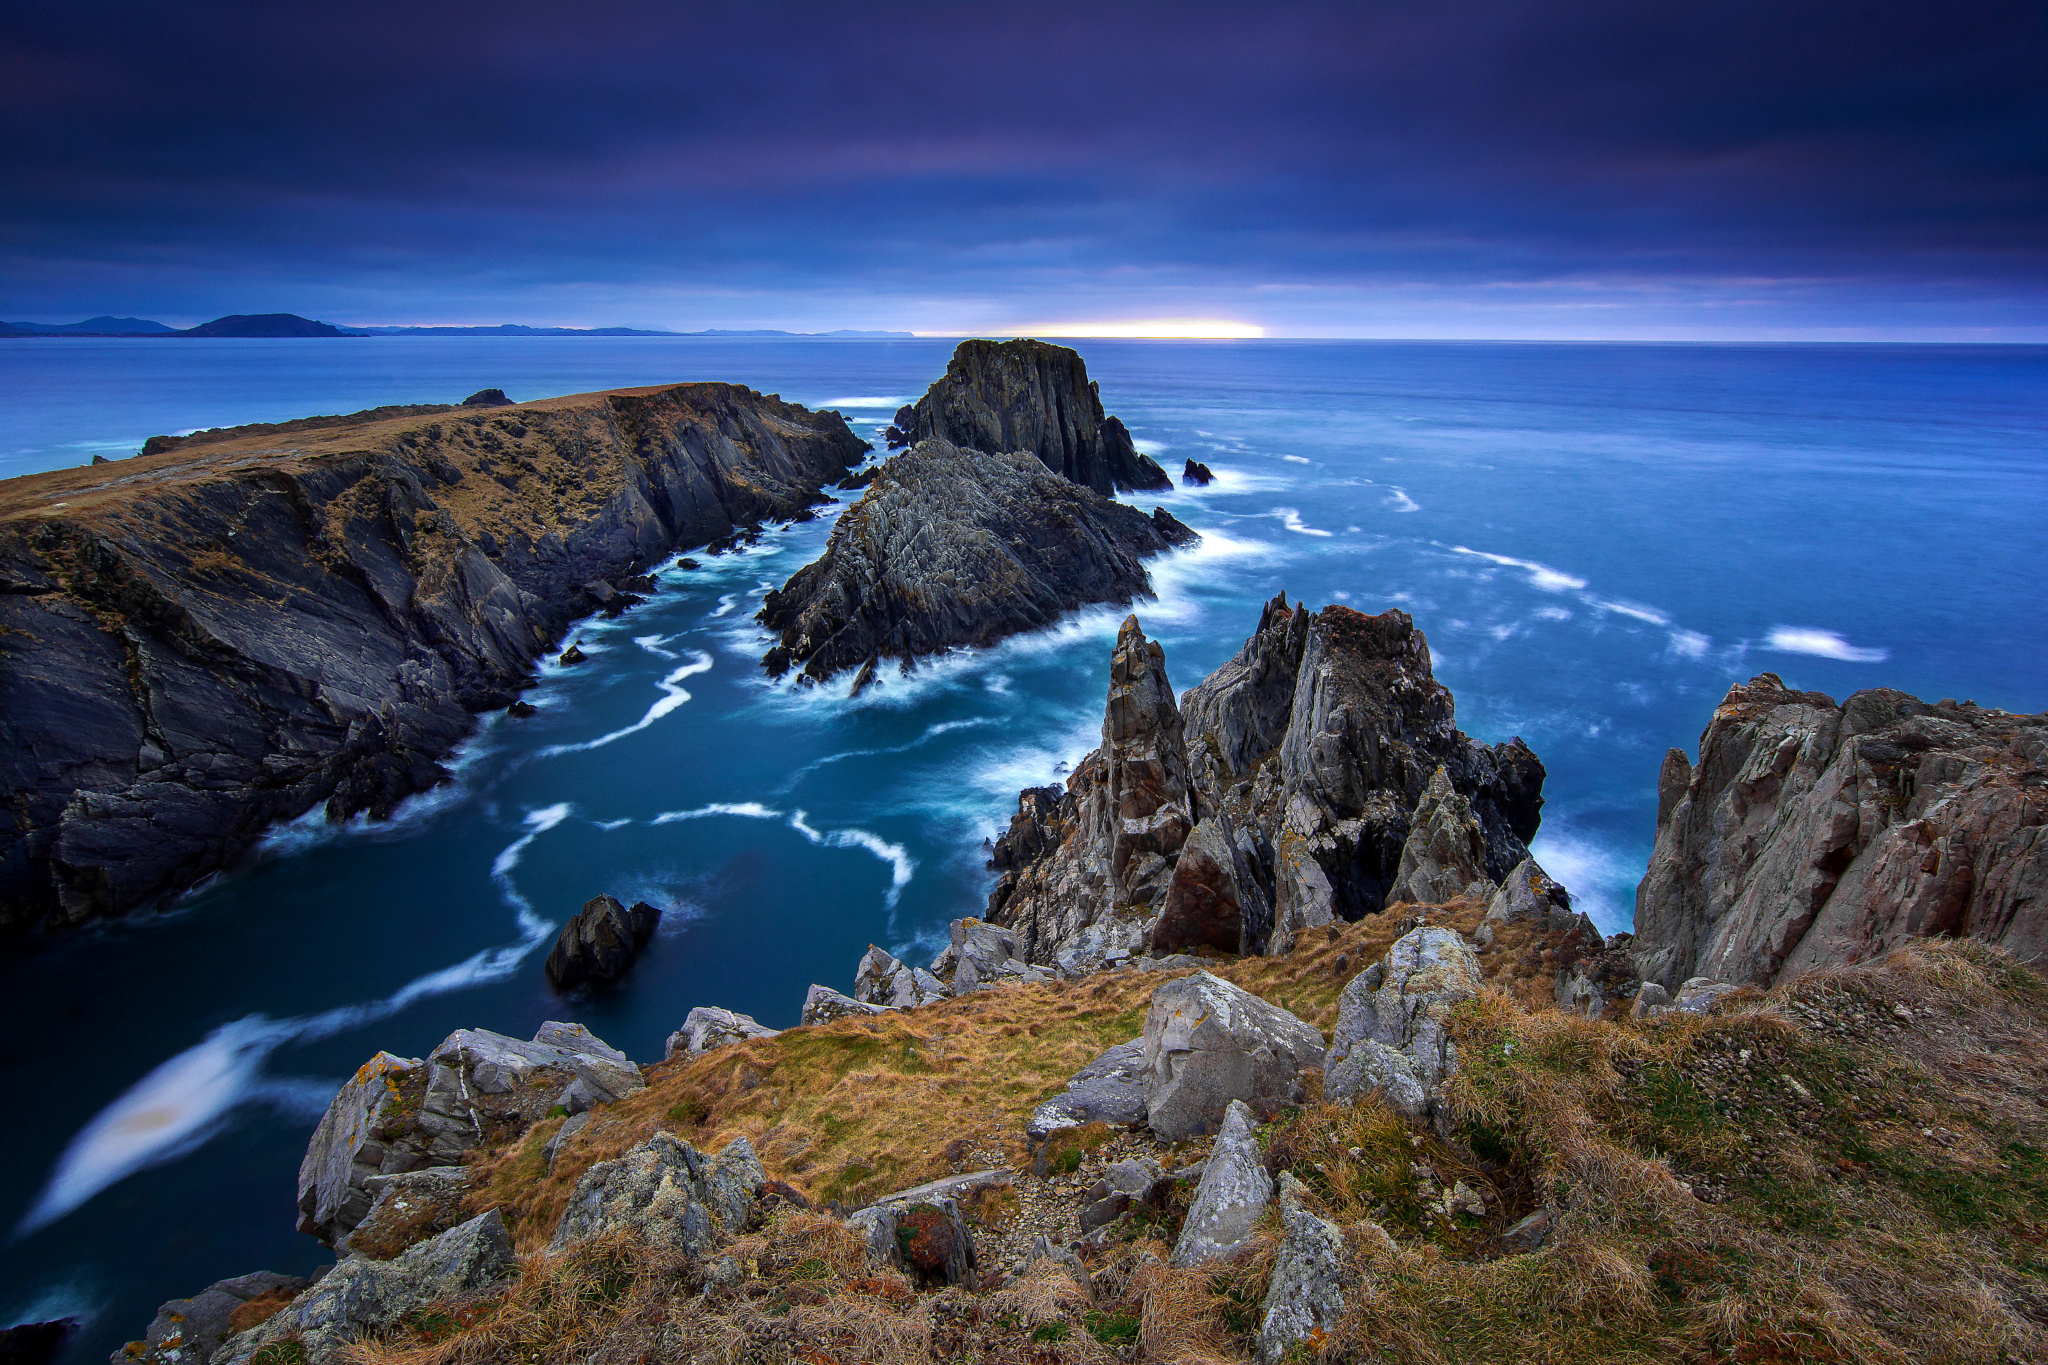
(600, 943)
(1196, 473)
(952, 547)
(1030, 396)
(1814, 835)
(1210, 1045)
(1390, 1033)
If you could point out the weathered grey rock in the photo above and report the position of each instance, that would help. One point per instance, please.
(1208, 1044)
(407, 1209)
(706, 1027)
(361, 1294)
(1307, 1291)
(1122, 1185)
(247, 630)
(951, 547)
(822, 1005)
(1110, 1089)
(1696, 996)
(564, 1135)
(189, 1331)
(926, 1239)
(1444, 854)
(980, 955)
(1814, 835)
(600, 943)
(1527, 1235)
(949, 1187)
(1214, 898)
(1529, 895)
(1390, 1021)
(883, 980)
(1234, 1192)
(666, 1193)
(1032, 396)
(399, 1115)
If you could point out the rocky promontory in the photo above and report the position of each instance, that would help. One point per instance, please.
(952, 546)
(1316, 776)
(1812, 835)
(1033, 396)
(197, 643)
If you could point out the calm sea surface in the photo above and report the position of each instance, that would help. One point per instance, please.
(1598, 540)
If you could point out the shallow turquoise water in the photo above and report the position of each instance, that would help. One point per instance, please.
(1597, 540)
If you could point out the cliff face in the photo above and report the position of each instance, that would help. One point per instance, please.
(1028, 395)
(958, 547)
(1303, 764)
(196, 644)
(1813, 835)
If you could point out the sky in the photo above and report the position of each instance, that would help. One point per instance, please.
(1424, 168)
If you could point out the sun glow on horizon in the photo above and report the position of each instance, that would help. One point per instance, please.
(1165, 329)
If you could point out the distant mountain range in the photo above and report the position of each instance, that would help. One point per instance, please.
(292, 325)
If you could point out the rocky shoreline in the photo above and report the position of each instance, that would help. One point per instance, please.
(198, 643)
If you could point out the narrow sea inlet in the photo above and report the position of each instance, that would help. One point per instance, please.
(1597, 540)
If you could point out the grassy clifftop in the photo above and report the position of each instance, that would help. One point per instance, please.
(1850, 1167)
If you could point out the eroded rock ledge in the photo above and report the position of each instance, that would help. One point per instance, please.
(958, 547)
(1033, 396)
(198, 643)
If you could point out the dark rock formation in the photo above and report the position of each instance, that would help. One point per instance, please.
(1813, 835)
(197, 645)
(487, 398)
(262, 325)
(958, 547)
(163, 445)
(600, 943)
(1197, 474)
(1308, 760)
(1032, 396)
(35, 1343)
(189, 1331)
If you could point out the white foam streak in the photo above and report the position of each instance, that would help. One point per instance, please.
(889, 401)
(902, 866)
(725, 605)
(674, 695)
(1402, 502)
(1824, 643)
(749, 810)
(1541, 575)
(1291, 519)
(653, 645)
(1634, 609)
(1689, 644)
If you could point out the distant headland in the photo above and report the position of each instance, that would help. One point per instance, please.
(270, 325)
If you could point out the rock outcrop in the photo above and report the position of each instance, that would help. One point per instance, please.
(1235, 1190)
(1031, 396)
(1812, 835)
(1197, 473)
(666, 1193)
(707, 1026)
(952, 546)
(189, 1331)
(1110, 1089)
(196, 644)
(1209, 1045)
(1390, 1033)
(925, 1239)
(881, 979)
(1322, 772)
(600, 943)
(1306, 1294)
(822, 1005)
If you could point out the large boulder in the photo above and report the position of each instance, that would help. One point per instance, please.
(1390, 1033)
(360, 1295)
(1813, 835)
(822, 1005)
(400, 1114)
(408, 1208)
(600, 943)
(707, 1026)
(1445, 853)
(1208, 1043)
(1110, 1089)
(1214, 899)
(666, 1193)
(1531, 896)
(982, 954)
(926, 1239)
(1234, 1192)
(1032, 396)
(881, 979)
(189, 1331)
(1306, 1294)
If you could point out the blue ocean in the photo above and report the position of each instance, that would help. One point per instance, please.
(1597, 540)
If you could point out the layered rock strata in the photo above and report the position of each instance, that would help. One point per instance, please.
(952, 546)
(1811, 834)
(196, 644)
(1031, 396)
(1320, 775)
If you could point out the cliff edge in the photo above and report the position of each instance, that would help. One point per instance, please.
(197, 643)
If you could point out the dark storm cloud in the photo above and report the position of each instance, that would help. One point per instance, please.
(450, 151)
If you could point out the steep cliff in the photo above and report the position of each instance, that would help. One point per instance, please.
(958, 547)
(1304, 764)
(1029, 395)
(1811, 835)
(198, 643)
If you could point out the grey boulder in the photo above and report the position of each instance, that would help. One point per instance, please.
(407, 1209)
(1306, 1293)
(707, 1027)
(361, 1295)
(1208, 1043)
(926, 1239)
(666, 1193)
(822, 1005)
(1696, 996)
(1234, 1192)
(1444, 854)
(1110, 1089)
(189, 1331)
(981, 955)
(882, 979)
(1390, 1032)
